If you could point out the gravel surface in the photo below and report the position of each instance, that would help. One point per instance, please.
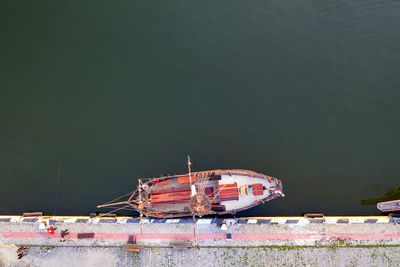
(261, 256)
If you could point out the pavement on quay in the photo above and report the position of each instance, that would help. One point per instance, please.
(204, 257)
(285, 231)
(374, 237)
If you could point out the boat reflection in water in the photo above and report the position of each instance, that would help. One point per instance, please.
(388, 203)
(392, 194)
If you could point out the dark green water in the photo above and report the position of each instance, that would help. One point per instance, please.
(306, 91)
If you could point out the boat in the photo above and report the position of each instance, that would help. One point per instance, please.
(213, 192)
(389, 206)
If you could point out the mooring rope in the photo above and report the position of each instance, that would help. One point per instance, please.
(58, 187)
(293, 205)
(124, 207)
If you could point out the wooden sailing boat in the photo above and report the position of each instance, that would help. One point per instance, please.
(202, 193)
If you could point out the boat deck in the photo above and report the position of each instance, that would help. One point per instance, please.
(249, 199)
(227, 191)
(176, 196)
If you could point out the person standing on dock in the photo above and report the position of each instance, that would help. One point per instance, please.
(51, 230)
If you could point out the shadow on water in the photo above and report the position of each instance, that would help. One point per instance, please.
(392, 194)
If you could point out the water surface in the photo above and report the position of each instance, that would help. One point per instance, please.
(114, 91)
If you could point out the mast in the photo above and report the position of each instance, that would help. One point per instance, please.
(192, 186)
(140, 206)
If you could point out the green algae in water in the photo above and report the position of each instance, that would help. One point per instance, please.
(390, 195)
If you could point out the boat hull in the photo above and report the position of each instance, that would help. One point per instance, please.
(389, 206)
(221, 192)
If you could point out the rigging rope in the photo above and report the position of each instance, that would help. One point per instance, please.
(119, 198)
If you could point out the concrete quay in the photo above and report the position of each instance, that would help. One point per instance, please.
(371, 240)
